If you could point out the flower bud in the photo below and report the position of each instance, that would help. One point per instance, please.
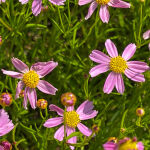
(1, 41)
(122, 130)
(95, 128)
(140, 112)
(6, 145)
(68, 99)
(112, 139)
(21, 94)
(5, 99)
(44, 8)
(42, 103)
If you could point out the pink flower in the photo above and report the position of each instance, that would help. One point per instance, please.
(6, 124)
(126, 143)
(146, 36)
(73, 119)
(30, 79)
(2, 1)
(103, 13)
(37, 5)
(118, 65)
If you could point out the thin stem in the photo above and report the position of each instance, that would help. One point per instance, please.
(9, 28)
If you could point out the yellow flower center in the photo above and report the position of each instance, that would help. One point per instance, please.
(102, 2)
(129, 145)
(31, 79)
(118, 64)
(71, 118)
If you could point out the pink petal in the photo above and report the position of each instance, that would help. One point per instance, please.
(99, 57)
(57, 2)
(70, 108)
(104, 13)
(12, 74)
(119, 4)
(19, 65)
(129, 51)
(111, 48)
(134, 76)
(25, 102)
(85, 110)
(149, 46)
(120, 84)
(31, 93)
(57, 109)
(84, 130)
(109, 146)
(83, 2)
(44, 68)
(137, 66)
(36, 7)
(53, 122)
(59, 134)
(46, 87)
(92, 8)
(23, 1)
(72, 140)
(146, 35)
(99, 69)
(140, 146)
(1, 148)
(110, 83)
(19, 88)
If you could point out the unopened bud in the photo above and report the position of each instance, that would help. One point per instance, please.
(6, 145)
(95, 128)
(42, 103)
(112, 139)
(5, 99)
(21, 94)
(1, 40)
(122, 130)
(140, 112)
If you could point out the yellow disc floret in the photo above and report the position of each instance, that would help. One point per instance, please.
(118, 64)
(102, 2)
(71, 118)
(129, 145)
(31, 79)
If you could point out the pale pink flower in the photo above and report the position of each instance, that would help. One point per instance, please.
(126, 143)
(73, 119)
(104, 4)
(118, 65)
(6, 124)
(146, 36)
(37, 5)
(30, 79)
(2, 1)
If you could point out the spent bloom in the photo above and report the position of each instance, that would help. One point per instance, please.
(146, 36)
(118, 65)
(124, 144)
(6, 145)
(104, 4)
(72, 119)
(6, 124)
(37, 5)
(5, 99)
(30, 79)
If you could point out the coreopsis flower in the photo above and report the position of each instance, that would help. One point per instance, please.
(146, 36)
(6, 145)
(5, 99)
(30, 79)
(6, 124)
(72, 119)
(140, 112)
(104, 4)
(124, 144)
(118, 65)
(37, 5)
(1, 147)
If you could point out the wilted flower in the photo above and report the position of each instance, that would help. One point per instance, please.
(72, 119)
(37, 5)
(124, 144)
(30, 79)
(42, 103)
(140, 112)
(118, 65)
(103, 13)
(6, 124)
(146, 36)
(5, 99)
(6, 145)
(68, 99)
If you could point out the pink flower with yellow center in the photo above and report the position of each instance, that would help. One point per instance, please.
(118, 65)
(30, 79)
(103, 13)
(6, 124)
(72, 119)
(146, 36)
(37, 5)
(124, 144)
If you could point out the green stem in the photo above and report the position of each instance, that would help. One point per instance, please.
(140, 28)
(9, 28)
